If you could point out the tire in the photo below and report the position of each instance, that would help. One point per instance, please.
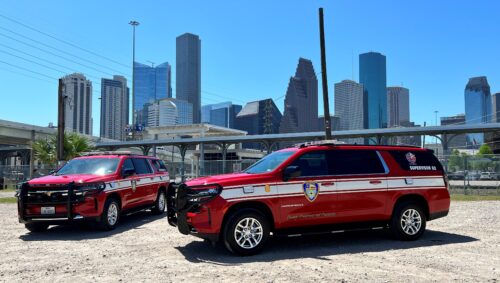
(408, 221)
(110, 215)
(160, 203)
(36, 227)
(246, 232)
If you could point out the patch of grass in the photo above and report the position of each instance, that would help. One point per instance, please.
(8, 190)
(8, 200)
(473, 198)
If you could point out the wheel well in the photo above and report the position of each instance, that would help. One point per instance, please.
(117, 197)
(162, 188)
(418, 199)
(257, 205)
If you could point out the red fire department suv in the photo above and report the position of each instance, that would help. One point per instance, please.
(97, 187)
(314, 188)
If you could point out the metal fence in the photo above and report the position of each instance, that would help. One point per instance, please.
(12, 175)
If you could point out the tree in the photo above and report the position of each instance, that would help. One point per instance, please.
(485, 150)
(45, 150)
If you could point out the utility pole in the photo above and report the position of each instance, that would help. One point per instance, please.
(60, 122)
(133, 24)
(328, 127)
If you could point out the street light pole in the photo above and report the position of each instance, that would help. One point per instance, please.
(133, 24)
(436, 123)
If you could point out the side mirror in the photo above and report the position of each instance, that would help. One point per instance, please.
(128, 172)
(291, 172)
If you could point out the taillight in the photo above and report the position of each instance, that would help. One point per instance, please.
(446, 181)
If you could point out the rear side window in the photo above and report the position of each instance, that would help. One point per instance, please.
(417, 160)
(141, 166)
(159, 165)
(354, 162)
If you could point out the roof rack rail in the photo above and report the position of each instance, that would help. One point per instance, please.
(91, 153)
(321, 142)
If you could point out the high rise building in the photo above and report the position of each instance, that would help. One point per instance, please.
(188, 72)
(372, 75)
(169, 112)
(349, 105)
(334, 120)
(259, 118)
(398, 106)
(455, 141)
(495, 98)
(151, 83)
(114, 107)
(301, 102)
(477, 106)
(78, 104)
(220, 114)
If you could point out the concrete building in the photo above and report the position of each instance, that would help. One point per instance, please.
(151, 83)
(349, 105)
(398, 106)
(220, 114)
(495, 98)
(301, 101)
(114, 107)
(169, 112)
(334, 120)
(259, 118)
(78, 104)
(477, 107)
(372, 75)
(455, 141)
(188, 72)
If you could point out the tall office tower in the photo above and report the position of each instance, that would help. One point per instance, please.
(188, 72)
(495, 98)
(398, 106)
(455, 141)
(258, 118)
(477, 106)
(349, 105)
(335, 123)
(114, 107)
(169, 112)
(151, 83)
(220, 114)
(301, 102)
(372, 75)
(78, 104)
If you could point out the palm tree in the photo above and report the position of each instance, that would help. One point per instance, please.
(74, 145)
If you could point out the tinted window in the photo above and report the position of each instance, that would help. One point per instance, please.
(312, 164)
(127, 164)
(417, 160)
(354, 162)
(141, 166)
(159, 165)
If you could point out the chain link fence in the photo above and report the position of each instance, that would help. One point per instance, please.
(11, 175)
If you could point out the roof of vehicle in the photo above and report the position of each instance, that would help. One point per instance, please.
(111, 154)
(340, 145)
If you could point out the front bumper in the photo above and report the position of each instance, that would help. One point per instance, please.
(184, 203)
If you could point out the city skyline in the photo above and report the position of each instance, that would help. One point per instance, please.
(406, 67)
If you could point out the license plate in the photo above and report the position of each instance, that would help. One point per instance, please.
(48, 210)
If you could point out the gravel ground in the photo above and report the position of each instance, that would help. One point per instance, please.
(465, 246)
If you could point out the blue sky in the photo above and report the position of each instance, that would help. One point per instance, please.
(251, 48)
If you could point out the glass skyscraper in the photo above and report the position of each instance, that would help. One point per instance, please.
(477, 106)
(372, 75)
(220, 114)
(151, 83)
(188, 72)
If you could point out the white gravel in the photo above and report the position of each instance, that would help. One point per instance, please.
(464, 247)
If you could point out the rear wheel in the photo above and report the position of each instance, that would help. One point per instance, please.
(36, 227)
(246, 232)
(110, 215)
(160, 203)
(408, 221)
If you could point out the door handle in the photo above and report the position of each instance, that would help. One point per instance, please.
(327, 183)
(375, 182)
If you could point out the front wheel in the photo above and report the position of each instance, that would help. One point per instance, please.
(246, 232)
(160, 203)
(408, 222)
(110, 215)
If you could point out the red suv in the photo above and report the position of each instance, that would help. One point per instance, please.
(95, 187)
(314, 188)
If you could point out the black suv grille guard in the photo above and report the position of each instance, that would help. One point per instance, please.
(71, 191)
(182, 199)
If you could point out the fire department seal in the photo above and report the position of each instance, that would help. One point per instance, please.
(311, 191)
(412, 159)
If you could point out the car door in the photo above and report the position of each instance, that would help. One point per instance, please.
(309, 199)
(130, 195)
(361, 179)
(144, 180)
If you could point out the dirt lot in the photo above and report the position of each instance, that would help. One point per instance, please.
(465, 246)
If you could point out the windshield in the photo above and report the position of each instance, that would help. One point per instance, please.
(269, 162)
(95, 166)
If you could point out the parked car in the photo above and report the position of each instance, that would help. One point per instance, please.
(314, 188)
(488, 176)
(457, 175)
(99, 187)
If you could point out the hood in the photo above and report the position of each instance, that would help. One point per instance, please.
(66, 179)
(233, 179)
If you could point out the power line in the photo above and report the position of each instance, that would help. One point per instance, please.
(63, 41)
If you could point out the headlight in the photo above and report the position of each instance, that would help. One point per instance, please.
(90, 189)
(203, 194)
